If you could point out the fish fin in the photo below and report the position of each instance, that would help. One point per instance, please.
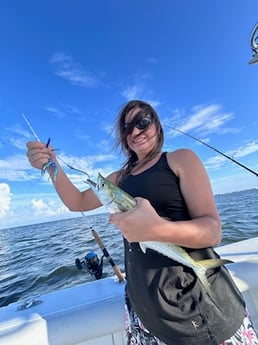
(213, 263)
(143, 247)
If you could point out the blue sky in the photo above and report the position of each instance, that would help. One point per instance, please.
(70, 65)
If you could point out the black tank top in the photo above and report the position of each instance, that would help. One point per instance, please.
(166, 295)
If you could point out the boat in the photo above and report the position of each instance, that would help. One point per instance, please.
(93, 313)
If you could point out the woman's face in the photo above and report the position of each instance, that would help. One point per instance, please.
(142, 132)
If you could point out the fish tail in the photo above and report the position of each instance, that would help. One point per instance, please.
(201, 274)
(203, 279)
(206, 285)
(213, 263)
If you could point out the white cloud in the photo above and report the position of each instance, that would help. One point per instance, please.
(14, 168)
(132, 92)
(85, 163)
(55, 111)
(140, 89)
(17, 129)
(226, 183)
(19, 137)
(68, 69)
(245, 150)
(62, 111)
(47, 208)
(78, 169)
(217, 162)
(5, 199)
(202, 119)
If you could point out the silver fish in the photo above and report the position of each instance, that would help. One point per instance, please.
(114, 199)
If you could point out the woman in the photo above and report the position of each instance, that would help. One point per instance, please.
(165, 302)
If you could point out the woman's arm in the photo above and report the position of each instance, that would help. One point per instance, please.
(203, 230)
(38, 155)
(205, 227)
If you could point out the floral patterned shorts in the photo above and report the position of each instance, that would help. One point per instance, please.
(137, 334)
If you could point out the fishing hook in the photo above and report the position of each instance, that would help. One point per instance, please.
(254, 44)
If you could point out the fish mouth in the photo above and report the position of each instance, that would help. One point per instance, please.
(91, 183)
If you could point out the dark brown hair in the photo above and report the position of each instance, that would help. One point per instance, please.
(121, 134)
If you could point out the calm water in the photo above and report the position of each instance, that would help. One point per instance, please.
(40, 258)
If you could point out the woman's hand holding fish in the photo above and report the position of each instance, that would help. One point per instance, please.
(38, 154)
(132, 222)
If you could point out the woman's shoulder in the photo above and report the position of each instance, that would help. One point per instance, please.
(181, 153)
(181, 158)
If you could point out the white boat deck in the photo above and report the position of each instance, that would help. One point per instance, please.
(93, 313)
(244, 271)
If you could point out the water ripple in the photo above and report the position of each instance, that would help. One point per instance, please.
(40, 258)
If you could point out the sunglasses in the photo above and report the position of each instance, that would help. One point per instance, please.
(141, 123)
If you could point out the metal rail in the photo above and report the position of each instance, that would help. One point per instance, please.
(254, 45)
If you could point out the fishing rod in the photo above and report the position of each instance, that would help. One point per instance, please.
(115, 268)
(215, 149)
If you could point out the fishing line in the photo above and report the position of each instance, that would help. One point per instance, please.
(94, 232)
(73, 168)
(47, 144)
(98, 240)
(214, 149)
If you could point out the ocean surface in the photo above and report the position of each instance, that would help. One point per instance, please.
(39, 259)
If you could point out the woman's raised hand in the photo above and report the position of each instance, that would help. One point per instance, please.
(39, 154)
